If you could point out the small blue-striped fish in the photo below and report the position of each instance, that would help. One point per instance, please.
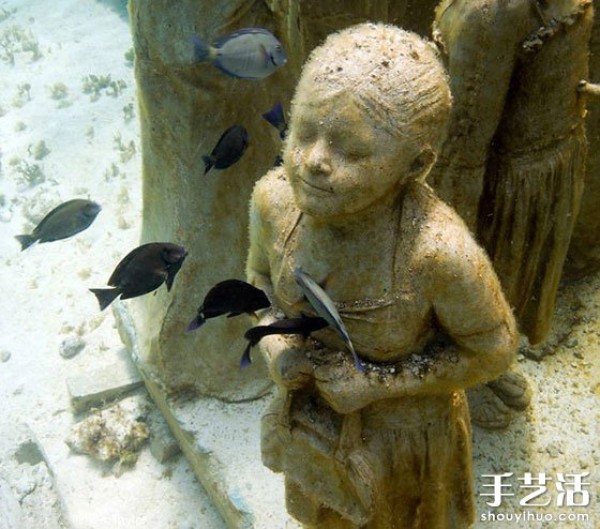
(324, 307)
(250, 53)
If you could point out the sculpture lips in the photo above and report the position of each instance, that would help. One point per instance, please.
(329, 191)
(324, 307)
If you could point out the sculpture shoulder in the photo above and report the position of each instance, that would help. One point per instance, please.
(486, 9)
(272, 197)
(492, 17)
(272, 192)
(445, 244)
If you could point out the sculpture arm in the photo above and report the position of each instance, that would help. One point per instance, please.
(468, 304)
(285, 355)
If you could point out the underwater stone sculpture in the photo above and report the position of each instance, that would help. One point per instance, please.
(388, 447)
(514, 162)
(184, 107)
(584, 252)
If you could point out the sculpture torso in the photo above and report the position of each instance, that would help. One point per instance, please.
(388, 317)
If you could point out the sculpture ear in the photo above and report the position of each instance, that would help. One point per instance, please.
(422, 164)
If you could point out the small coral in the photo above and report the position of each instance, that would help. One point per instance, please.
(17, 40)
(114, 435)
(96, 85)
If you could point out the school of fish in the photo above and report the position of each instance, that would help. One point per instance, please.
(249, 54)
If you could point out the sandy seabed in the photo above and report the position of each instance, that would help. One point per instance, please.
(68, 129)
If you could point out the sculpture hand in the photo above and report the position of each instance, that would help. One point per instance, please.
(288, 364)
(343, 387)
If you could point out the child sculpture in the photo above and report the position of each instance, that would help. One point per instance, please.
(388, 447)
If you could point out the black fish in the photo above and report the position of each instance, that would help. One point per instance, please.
(232, 297)
(229, 149)
(303, 326)
(62, 222)
(141, 271)
(276, 117)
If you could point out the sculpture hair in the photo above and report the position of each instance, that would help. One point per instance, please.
(395, 76)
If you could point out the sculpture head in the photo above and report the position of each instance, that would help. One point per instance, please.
(369, 114)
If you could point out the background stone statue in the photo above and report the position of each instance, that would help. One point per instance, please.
(514, 162)
(584, 252)
(389, 447)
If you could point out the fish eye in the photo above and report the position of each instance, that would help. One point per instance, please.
(170, 256)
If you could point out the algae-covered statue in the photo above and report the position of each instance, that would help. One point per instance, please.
(514, 162)
(387, 447)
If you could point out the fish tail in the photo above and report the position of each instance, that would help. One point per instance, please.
(25, 240)
(246, 360)
(359, 365)
(105, 295)
(208, 163)
(275, 116)
(201, 49)
(195, 324)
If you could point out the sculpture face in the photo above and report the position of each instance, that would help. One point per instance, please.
(338, 163)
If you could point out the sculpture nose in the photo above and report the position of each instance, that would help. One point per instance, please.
(318, 158)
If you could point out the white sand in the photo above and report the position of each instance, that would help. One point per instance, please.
(45, 297)
(45, 288)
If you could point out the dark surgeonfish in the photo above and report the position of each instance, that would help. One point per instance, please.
(276, 117)
(142, 270)
(249, 53)
(228, 150)
(304, 326)
(324, 307)
(65, 220)
(232, 297)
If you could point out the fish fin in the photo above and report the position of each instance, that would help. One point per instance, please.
(105, 295)
(245, 361)
(196, 323)
(169, 281)
(208, 163)
(359, 365)
(25, 240)
(202, 51)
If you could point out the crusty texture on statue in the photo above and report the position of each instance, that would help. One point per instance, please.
(403, 89)
(285, 355)
(481, 324)
(444, 259)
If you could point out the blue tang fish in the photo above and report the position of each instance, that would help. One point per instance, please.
(250, 53)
